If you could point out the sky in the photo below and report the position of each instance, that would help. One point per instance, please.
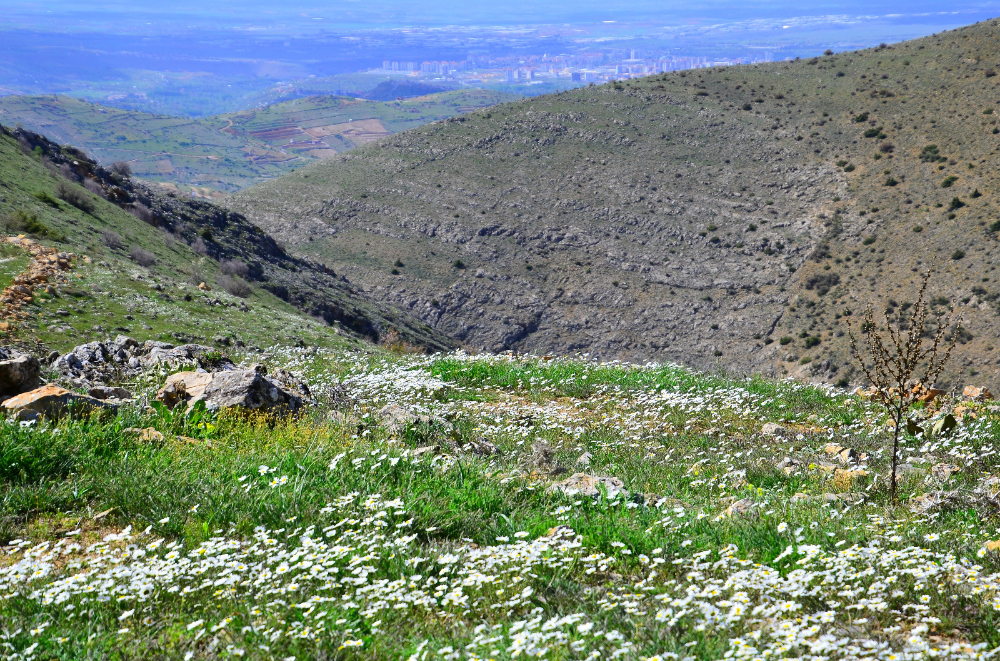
(311, 15)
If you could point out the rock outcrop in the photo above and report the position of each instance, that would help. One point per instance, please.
(99, 362)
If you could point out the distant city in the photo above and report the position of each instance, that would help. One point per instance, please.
(580, 67)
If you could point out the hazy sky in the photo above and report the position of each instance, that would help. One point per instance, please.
(317, 14)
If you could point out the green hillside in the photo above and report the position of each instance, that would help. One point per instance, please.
(211, 155)
(140, 257)
(737, 217)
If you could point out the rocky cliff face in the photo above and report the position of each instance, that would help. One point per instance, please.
(734, 216)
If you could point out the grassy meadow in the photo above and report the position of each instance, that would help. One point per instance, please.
(336, 535)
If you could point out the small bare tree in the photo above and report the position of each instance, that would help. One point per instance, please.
(908, 347)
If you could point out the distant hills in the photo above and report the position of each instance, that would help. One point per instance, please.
(209, 156)
(392, 90)
(737, 217)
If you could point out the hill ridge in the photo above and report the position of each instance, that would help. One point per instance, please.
(733, 216)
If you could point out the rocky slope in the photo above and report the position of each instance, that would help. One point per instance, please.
(738, 216)
(138, 246)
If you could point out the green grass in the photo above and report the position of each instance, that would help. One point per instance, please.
(698, 447)
(13, 262)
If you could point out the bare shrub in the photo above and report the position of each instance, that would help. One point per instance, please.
(95, 188)
(66, 171)
(111, 239)
(898, 355)
(234, 285)
(195, 276)
(234, 267)
(76, 196)
(142, 257)
(199, 247)
(143, 213)
(887, 147)
(168, 239)
(121, 168)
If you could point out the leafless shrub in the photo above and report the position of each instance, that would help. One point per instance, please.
(122, 169)
(887, 147)
(168, 239)
(76, 196)
(95, 188)
(66, 171)
(901, 353)
(199, 247)
(989, 73)
(143, 213)
(234, 285)
(142, 257)
(23, 144)
(111, 239)
(195, 276)
(234, 267)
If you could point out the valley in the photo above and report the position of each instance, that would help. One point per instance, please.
(735, 218)
(208, 156)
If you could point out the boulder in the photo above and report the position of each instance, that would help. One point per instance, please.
(51, 402)
(18, 373)
(590, 485)
(977, 393)
(235, 389)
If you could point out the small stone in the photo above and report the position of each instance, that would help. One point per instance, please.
(105, 393)
(800, 497)
(590, 485)
(993, 546)
(944, 471)
(774, 429)
(740, 507)
(482, 447)
(427, 449)
(584, 459)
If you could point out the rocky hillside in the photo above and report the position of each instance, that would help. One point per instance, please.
(161, 267)
(738, 216)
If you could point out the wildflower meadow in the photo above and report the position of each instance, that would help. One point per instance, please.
(753, 521)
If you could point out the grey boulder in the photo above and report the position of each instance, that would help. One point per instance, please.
(18, 373)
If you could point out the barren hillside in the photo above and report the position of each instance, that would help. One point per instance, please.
(738, 216)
